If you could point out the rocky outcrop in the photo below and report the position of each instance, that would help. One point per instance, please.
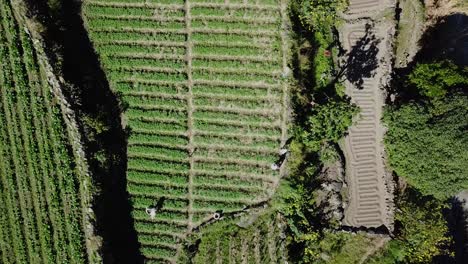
(329, 196)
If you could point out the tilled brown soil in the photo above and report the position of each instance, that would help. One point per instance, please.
(367, 35)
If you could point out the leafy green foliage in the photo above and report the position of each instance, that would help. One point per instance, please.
(309, 243)
(392, 253)
(298, 209)
(340, 247)
(327, 123)
(426, 144)
(319, 18)
(329, 154)
(323, 65)
(435, 79)
(335, 247)
(423, 232)
(226, 241)
(319, 14)
(295, 202)
(424, 229)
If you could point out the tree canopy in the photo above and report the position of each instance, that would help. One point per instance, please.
(433, 80)
(321, 13)
(426, 143)
(327, 123)
(422, 235)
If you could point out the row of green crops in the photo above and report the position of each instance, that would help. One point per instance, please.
(204, 97)
(257, 243)
(41, 214)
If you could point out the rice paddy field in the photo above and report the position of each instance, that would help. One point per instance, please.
(205, 88)
(41, 208)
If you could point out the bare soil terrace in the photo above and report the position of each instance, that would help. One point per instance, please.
(367, 35)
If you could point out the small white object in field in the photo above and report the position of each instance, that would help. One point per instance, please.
(216, 216)
(286, 72)
(151, 212)
(274, 166)
(283, 151)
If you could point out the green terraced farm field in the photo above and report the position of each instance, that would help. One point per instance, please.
(258, 242)
(206, 88)
(41, 187)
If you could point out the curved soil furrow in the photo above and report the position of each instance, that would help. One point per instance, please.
(368, 42)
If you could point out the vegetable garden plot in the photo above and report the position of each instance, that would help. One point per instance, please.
(207, 107)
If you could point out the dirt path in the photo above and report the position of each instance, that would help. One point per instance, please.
(190, 109)
(367, 35)
(410, 30)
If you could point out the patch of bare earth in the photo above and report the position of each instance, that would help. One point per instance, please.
(367, 35)
(437, 9)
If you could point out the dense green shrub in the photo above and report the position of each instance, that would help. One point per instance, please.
(318, 19)
(424, 231)
(334, 247)
(426, 143)
(327, 123)
(321, 14)
(422, 234)
(433, 80)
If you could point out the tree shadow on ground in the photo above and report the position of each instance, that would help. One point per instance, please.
(361, 61)
(112, 205)
(457, 218)
(447, 39)
(98, 112)
(304, 47)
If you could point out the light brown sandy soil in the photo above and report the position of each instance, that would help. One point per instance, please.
(370, 199)
(436, 9)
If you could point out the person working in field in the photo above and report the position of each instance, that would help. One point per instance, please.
(153, 209)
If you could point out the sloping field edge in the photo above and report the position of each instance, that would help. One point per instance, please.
(93, 242)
